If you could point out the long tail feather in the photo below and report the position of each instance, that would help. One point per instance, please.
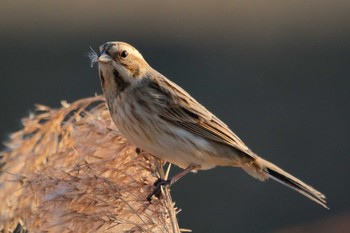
(262, 170)
(292, 182)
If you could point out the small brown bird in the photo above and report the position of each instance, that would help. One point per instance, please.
(160, 117)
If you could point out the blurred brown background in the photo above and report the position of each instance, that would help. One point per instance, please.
(277, 72)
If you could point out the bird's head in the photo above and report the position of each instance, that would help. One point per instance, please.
(120, 65)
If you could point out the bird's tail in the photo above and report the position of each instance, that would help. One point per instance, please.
(262, 170)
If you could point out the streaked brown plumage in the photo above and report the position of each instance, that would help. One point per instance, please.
(160, 117)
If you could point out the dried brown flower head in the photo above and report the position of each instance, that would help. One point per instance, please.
(69, 170)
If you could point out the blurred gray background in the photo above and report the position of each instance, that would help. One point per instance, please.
(277, 72)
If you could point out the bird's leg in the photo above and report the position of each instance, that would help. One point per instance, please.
(161, 182)
(181, 174)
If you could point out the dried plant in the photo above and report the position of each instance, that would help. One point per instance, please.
(69, 170)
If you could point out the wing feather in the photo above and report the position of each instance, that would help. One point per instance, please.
(183, 110)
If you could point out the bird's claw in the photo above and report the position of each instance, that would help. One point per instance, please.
(158, 186)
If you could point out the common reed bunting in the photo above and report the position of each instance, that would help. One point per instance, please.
(161, 118)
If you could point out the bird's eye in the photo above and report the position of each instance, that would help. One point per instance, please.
(124, 54)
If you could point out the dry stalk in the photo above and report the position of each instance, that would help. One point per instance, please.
(69, 170)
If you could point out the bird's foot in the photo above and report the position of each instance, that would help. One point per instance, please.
(157, 189)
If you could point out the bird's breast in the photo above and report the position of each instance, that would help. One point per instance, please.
(141, 125)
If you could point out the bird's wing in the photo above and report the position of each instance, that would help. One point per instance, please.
(184, 111)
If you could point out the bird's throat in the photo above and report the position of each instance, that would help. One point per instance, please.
(120, 83)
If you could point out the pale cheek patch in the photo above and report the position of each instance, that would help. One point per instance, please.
(93, 57)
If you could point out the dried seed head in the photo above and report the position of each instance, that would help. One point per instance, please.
(93, 57)
(69, 170)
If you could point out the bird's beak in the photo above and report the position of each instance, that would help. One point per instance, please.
(103, 57)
